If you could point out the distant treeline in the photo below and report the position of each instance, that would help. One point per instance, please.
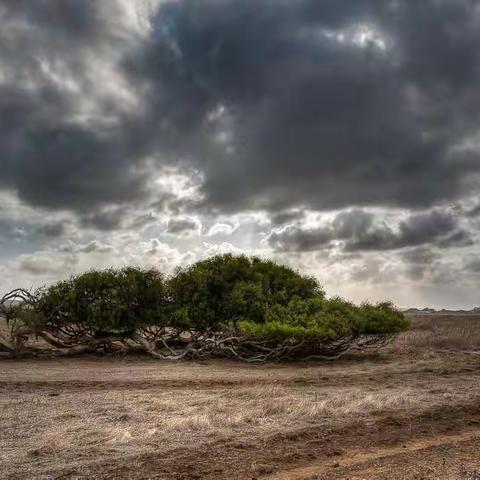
(227, 306)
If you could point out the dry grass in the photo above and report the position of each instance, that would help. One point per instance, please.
(441, 332)
(70, 415)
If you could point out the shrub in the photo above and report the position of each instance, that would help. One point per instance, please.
(381, 318)
(108, 301)
(226, 289)
(327, 319)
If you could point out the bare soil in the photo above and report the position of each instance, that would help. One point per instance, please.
(410, 411)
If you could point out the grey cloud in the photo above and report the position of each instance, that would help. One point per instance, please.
(51, 230)
(472, 265)
(426, 226)
(293, 238)
(359, 230)
(419, 261)
(459, 238)
(423, 255)
(142, 220)
(172, 204)
(183, 226)
(473, 212)
(369, 271)
(432, 227)
(304, 117)
(95, 246)
(287, 216)
(54, 154)
(106, 220)
(92, 246)
(46, 263)
(11, 231)
(278, 104)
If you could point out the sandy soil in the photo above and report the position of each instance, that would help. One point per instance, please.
(411, 411)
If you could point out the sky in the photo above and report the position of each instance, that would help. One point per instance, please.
(341, 138)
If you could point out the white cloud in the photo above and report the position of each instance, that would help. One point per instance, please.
(221, 229)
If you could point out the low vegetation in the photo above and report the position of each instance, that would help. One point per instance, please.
(225, 306)
(432, 334)
(112, 418)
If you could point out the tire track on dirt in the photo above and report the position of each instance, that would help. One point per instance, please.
(359, 457)
(210, 383)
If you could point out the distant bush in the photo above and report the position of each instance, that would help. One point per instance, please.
(227, 305)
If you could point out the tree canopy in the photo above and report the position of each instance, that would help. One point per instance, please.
(226, 305)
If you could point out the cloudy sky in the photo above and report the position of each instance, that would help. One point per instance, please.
(342, 138)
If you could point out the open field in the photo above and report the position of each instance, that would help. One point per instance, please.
(410, 411)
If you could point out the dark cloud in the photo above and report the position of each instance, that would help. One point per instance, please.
(51, 230)
(473, 212)
(317, 103)
(426, 227)
(183, 226)
(106, 220)
(459, 238)
(472, 265)
(54, 149)
(279, 104)
(361, 231)
(294, 238)
(288, 216)
(419, 261)
(358, 230)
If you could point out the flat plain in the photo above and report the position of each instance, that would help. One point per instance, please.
(408, 411)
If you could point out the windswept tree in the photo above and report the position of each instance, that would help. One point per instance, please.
(229, 306)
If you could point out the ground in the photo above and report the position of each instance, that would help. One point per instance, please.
(409, 411)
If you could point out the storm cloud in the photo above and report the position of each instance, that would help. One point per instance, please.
(359, 230)
(278, 104)
(288, 128)
(318, 103)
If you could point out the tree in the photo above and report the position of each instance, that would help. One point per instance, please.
(235, 306)
(225, 289)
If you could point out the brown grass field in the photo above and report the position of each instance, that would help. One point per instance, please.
(408, 411)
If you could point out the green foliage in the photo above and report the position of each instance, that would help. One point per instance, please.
(106, 301)
(327, 319)
(260, 298)
(381, 318)
(241, 294)
(226, 289)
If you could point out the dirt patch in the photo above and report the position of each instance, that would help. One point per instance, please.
(289, 456)
(456, 456)
(390, 415)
